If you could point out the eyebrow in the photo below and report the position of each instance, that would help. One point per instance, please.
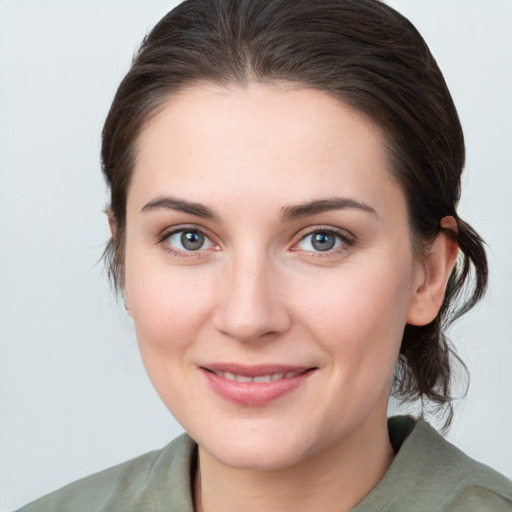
(293, 212)
(288, 213)
(180, 205)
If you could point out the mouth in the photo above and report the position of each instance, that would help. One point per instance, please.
(269, 377)
(255, 385)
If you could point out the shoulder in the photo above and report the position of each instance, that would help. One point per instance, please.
(135, 485)
(464, 484)
(430, 474)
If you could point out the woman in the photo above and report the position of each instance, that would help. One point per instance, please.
(284, 179)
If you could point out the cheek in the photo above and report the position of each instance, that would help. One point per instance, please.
(359, 315)
(169, 307)
(170, 310)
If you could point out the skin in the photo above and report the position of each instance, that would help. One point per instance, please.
(259, 292)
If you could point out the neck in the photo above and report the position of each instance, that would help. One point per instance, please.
(334, 480)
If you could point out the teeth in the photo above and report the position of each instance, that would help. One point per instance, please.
(260, 378)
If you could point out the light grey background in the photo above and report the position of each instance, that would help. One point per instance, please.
(74, 397)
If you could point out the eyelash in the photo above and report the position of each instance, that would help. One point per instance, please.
(182, 229)
(346, 241)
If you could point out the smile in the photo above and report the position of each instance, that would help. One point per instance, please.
(254, 385)
(260, 378)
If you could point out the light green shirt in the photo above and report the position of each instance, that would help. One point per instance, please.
(428, 475)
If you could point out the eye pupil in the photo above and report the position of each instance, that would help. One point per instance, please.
(323, 241)
(192, 240)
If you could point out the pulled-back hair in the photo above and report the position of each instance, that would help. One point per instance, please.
(367, 56)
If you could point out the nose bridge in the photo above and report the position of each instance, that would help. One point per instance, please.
(250, 304)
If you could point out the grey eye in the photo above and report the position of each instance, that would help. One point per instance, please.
(323, 241)
(192, 240)
(320, 241)
(189, 240)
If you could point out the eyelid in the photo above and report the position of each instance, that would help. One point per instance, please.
(346, 237)
(168, 232)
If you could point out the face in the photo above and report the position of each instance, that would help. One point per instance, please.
(269, 270)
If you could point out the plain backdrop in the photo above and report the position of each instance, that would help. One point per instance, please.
(74, 397)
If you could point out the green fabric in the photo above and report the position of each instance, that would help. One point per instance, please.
(156, 481)
(428, 475)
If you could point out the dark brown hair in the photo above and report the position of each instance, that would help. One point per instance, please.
(367, 56)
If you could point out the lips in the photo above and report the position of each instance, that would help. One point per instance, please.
(254, 385)
(270, 377)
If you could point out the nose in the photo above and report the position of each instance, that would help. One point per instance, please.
(252, 303)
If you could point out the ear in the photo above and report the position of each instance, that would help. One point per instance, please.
(433, 275)
(112, 224)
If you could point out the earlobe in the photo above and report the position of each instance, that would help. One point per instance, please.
(436, 269)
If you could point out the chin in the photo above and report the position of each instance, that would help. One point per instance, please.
(257, 450)
(257, 458)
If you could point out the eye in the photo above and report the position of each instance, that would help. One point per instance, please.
(322, 241)
(189, 240)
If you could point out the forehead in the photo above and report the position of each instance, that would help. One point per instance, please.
(210, 141)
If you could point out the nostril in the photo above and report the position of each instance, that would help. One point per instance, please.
(248, 307)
